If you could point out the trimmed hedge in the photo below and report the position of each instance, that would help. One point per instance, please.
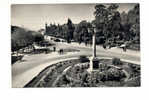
(116, 61)
(83, 59)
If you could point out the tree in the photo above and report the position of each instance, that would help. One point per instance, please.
(70, 30)
(108, 21)
(21, 38)
(124, 18)
(81, 33)
(132, 26)
(101, 14)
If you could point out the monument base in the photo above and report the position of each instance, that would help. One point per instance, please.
(94, 64)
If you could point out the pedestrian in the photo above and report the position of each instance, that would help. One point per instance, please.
(104, 46)
(54, 49)
(46, 50)
(61, 51)
(125, 48)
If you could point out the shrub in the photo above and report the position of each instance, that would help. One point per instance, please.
(134, 82)
(83, 58)
(38, 37)
(100, 40)
(133, 66)
(116, 61)
(103, 67)
(113, 74)
(102, 76)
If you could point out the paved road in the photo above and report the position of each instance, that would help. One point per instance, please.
(23, 72)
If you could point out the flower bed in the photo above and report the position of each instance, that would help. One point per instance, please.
(76, 75)
(55, 70)
(107, 75)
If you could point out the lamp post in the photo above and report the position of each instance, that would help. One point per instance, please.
(93, 60)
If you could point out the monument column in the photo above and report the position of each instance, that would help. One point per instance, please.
(94, 44)
(93, 60)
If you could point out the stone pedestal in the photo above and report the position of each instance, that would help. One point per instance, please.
(94, 64)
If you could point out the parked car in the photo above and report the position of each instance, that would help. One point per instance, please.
(57, 40)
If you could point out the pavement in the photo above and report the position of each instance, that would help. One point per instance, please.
(25, 70)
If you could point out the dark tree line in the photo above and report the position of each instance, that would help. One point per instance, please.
(111, 25)
(21, 38)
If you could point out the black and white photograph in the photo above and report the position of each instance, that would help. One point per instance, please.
(77, 45)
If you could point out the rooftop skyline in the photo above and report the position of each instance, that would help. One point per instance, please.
(34, 16)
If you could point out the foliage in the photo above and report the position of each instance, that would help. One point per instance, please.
(134, 82)
(110, 24)
(114, 74)
(83, 58)
(78, 76)
(70, 30)
(116, 61)
(15, 58)
(21, 38)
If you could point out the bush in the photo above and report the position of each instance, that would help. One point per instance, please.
(102, 76)
(133, 66)
(83, 59)
(103, 67)
(134, 82)
(114, 74)
(38, 37)
(116, 61)
(100, 40)
(15, 58)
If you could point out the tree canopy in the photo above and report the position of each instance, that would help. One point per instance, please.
(110, 25)
(21, 37)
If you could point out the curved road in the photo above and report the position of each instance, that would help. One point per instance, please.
(25, 70)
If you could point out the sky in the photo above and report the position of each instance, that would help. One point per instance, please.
(34, 16)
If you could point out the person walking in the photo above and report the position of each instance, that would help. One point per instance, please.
(54, 49)
(104, 46)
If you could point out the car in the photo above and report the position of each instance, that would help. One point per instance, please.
(57, 40)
